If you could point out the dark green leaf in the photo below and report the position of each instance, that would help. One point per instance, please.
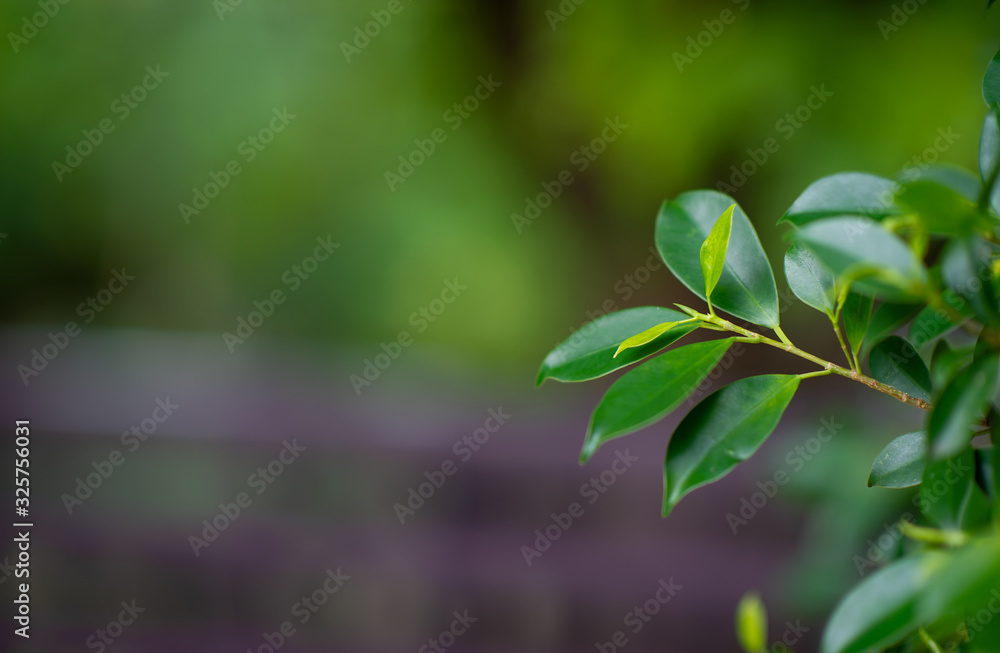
(941, 209)
(847, 193)
(964, 182)
(809, 280)
(888, 318)
(946, 362)
(946, 488)
(746, 288)
(896, 362)
(861, 251)
(901, 463)
(986, 469)
(966, 269)
(991, 82)
(960, 406)
(932, 323)
(722, 431)
(857, 314)
(651, 391)
(589, 353)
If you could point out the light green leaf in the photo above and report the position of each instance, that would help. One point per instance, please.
(647, 336)
(713, 251)
(901, 463)
(860, 251)
(809, 280)
(751, 623)
(960, 180)
(857, 314)
(846, 193)
(722, 431)
(648, 393)
(589, 353)
(746, 287)
(942, 210)
(896, 362)
(959, 407)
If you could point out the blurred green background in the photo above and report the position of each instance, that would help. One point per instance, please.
(901, 74)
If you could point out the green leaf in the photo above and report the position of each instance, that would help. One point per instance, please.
(960, 180)
(966, 269)
(859, 250)
(901, 463)
(945, 363)
(722, 431)
(986, 467)
(991, 82)
(932, 323)
(847, 193)
(809, 280)
(589, 353)
(857, 314)
(941, 209)
(946, 488)
(989, 155)
(896, 362)
(956, 411)
(647, 336)
(751, 623)
(713, 251)
(888, 317)
(651, 391)
(746, 286)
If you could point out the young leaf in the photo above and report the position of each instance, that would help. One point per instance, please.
(746, 286)
(901, 463)
(647, 336)
(847, 193)
(861, 251)
(810, 281)
(751, 623)
(896, 362)
(857, 313)
(713, 251)
(651, 391)
(722, 431)
(959, 407)
(589, 353)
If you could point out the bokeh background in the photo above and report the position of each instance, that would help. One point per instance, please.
(557, 73)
